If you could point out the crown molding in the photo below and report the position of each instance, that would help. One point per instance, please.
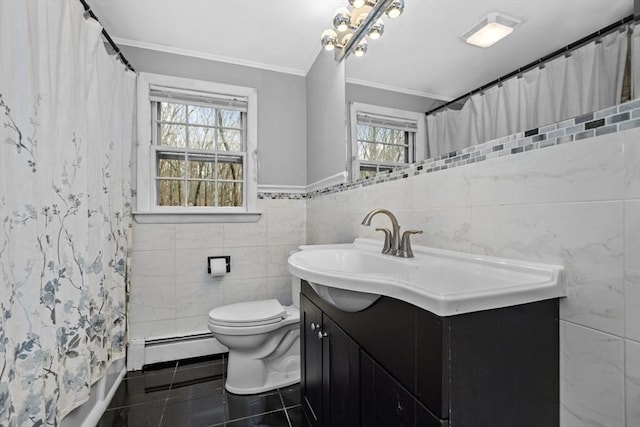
(208, 56)
(399, 89)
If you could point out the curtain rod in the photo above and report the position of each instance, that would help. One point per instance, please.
(106, 35)
(562, 51)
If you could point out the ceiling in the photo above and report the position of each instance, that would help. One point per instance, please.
(420, 52)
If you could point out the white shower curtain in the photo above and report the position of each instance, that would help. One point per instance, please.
(66, 117)
(635, 62)
(588, 80)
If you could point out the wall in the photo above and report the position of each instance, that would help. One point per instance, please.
(171, 292)
(575, 204)
(386, 98)
(326, 115)
(282, 130)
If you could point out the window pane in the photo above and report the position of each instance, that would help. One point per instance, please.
(365, 133)
(230, 168)
(381, 153)
(201, 193)
(170, 165)
(229, 194)
(202, 116)
(229, 140)
(172, 112)
(229, 119)
(170, 193)
(202, 138)
(202, 166)
(173, 135)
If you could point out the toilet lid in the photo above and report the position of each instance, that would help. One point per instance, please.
(250, 313)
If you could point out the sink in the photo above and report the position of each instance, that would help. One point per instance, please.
(352, 276)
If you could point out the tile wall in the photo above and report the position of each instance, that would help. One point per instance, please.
(575, 204)
(171, 292)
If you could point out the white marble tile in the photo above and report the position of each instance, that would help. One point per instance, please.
(152, 329)
(147, 305)
(444, 228)
(287, 226)
(199, 236)
(632, 382)
(277, 257)
(240, 290)
(591, 378)
(198, 298)
(632, 162)
(586, 238)
(153, 236)
(191, 264)
(280, 289)
(447, 188)
(192, 325)
(585, 171)
(245, 234)
(632, 269)
(247, 262)
(153, 268)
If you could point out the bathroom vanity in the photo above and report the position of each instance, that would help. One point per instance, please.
(394, 364)
(443, 339)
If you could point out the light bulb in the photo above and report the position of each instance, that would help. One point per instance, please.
(360, 49)
(346, 39)
(357, 3)
(361, 18)
(341, 19)
(329, 39)
(395, 9)
(376, 30)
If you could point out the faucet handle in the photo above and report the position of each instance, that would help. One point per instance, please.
(405, 244)
(387, 240)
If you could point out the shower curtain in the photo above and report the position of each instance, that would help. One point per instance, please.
(588, 80)
(66, 117)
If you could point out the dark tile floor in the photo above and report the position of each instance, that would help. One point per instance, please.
(190, 393)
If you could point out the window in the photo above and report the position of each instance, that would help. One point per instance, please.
(201, 147)
(383, 139)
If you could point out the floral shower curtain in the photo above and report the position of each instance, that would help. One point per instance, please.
(66, 117)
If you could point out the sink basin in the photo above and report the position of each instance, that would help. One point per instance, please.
(352, 276)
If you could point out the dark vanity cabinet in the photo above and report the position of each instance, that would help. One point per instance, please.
(394, 364)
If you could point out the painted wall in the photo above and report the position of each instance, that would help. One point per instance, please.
(386, 98)
(326, 115)
(575, 204)
(171, 292)
(281, 108)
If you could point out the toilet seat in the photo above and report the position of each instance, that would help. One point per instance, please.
(247, 314)
(291, 316)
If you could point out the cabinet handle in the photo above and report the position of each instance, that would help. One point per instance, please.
(314, 326)
(322, 335)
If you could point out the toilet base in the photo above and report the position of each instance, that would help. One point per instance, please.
(251, 376)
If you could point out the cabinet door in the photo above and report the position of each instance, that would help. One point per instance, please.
(384, 401)
(341, 372)
(311, 362)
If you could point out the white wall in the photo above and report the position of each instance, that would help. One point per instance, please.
(326, 118)
(576, 204)
(171, 292)
(387, 98)
(282, 129)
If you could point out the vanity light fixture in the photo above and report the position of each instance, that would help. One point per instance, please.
(351, 25)
(490, 30)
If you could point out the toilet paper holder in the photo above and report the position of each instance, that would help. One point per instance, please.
(227, 259)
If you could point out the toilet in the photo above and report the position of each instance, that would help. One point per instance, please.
(263, 338)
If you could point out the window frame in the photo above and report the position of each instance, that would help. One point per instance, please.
(146, 203)
(419, 143)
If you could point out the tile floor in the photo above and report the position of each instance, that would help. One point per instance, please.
(190, 393)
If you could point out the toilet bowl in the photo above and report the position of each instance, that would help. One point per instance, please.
(263, 338)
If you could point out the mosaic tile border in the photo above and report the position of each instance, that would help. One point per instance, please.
(609, 120)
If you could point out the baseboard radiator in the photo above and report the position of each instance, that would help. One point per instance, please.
(141, 352)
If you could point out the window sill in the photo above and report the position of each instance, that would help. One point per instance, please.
(194, 217)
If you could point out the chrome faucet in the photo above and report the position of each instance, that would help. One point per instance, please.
(392, 244)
